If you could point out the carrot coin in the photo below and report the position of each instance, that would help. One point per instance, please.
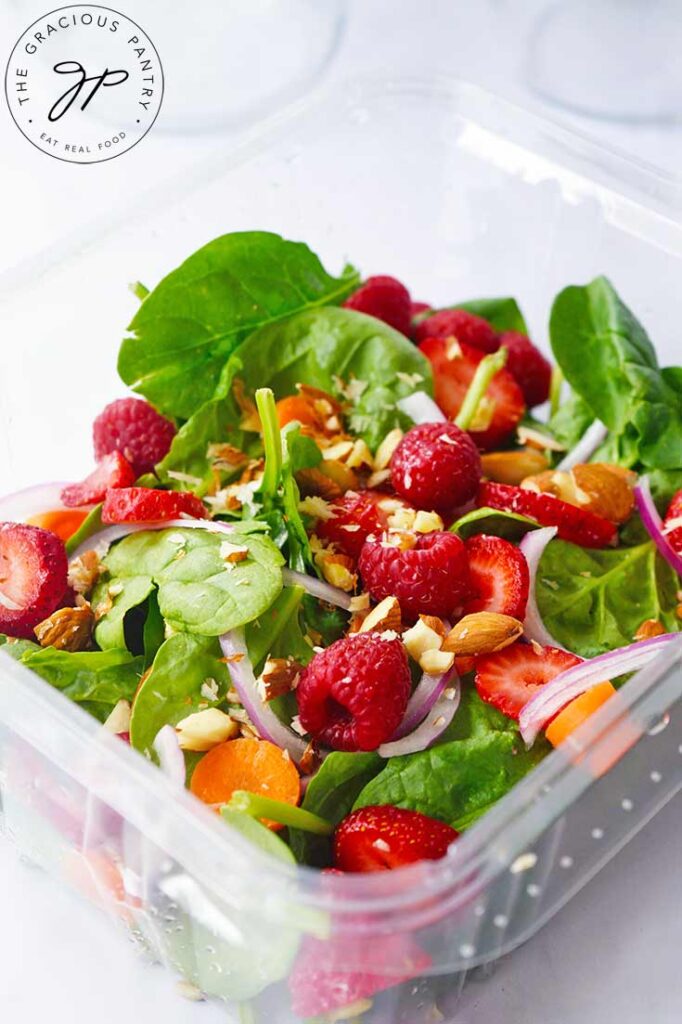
(62, 521)
(577, 712)
(295, 407)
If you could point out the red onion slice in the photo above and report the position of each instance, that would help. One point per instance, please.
(433, 726)
(421, 408)
(103, 539)
(653, 524)
(595, 435)
(261, 714)
(318, 588)
(171, 758)
(428, 690)
(21, 505)
(532, 547)
(552, 697)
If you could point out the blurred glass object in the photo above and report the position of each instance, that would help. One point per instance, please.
(616, 59)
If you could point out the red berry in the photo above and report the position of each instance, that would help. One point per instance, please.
(346, 969)
(509, 678)
(355, 516)
(499, 577)
(462, 326)
(528, 366)
(352, 696)
(146, 505)
(431, 578)
(33, 568)
(134, 427)
(112, 471)
(387, 837)
(577, 525)
(454, 366)
(385, 298)
(436, 466)
(672, 524)
(418, 307)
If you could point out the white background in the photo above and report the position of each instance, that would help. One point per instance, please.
(613, 954)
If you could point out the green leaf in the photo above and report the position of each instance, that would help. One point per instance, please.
(609, 361)
(98, 677)
(153, 632)
(257, 834)
(110, 629)
(197, 590)
(277, 633)
(509, 525)
(91, 524)
(187, 674)
(595, 600)
(571, 420)
(186, 329)
(17, 648)
(664, 484)
(327, 346)
(502, 314)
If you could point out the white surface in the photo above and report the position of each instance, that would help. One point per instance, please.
(613, 953)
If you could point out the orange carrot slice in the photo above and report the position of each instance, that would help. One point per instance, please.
(578, 711)
(62, 521)
(256, 766)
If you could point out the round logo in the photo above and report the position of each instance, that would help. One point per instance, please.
(84, 83)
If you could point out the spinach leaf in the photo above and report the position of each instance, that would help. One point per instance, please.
(609, 361)
(664, 483)
(17, 648)
(331, 794)
(97, 677)
(277, 632)
(91, 524)
(327, 346)
(502, 314)
(153, 631)
(197, 590)
(329, 622)
(258, 834)
(186, 674)
(122, 597)
(571, 420)
(187, 327)
(509, 525)
(595, 600)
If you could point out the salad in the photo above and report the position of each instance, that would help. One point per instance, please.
(332, 567)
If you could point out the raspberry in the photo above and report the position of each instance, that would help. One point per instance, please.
(356, 515)
(431, 578)
(385, 837)
(386, 299)
(146, 505)
(132, 426)
(112, 470)
(458, 323)
(436, 466)
(526, 363)
(33, 568)
(353, 695)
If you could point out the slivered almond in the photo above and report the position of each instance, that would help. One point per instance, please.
(436, 662)
(118, 719)
(421, 638)
(384, 452)
(513, 467)
(359, 603)
(360, 457)
(313, 482)
(482, 633)
(536, 439)
(225, 456)
(316, 507)
(339, 452)
(340, 474)
(386, 615)
(648, 629)
(379, 477)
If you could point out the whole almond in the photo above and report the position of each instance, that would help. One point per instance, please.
(513, 467)
(482, 633)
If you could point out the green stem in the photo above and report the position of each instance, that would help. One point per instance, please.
(276, 810)
(485, 371)
(139, 290)
(272, 441)
(555, 390)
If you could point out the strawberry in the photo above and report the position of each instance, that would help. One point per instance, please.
(386, 837)
(33, 568)
(672, 524)
(509, 678)
(454, 365)
(577, 525)
(499, 577)
(112, 470)
(146, 505)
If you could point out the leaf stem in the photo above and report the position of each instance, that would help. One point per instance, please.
(555, 390)
(276, 810)
(272, 441)
(485, 371)
(139, 290)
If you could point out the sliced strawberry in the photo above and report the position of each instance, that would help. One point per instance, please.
(509, 678)
(454, 365)
(112, 470)
(355, 516)
(33, 569)
(499, 577)
(146, 505)
(672, 524)
(577, 525)
(386, 837)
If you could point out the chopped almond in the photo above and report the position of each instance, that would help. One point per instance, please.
(427, 522)
(402, 539)
(421, 638)
(536, 439)
(118, 719)
(338, 570)
(436, 662)
(279, 676)
(233, 553)
(385, 616)
(206, 729)
(384, 453)
(513, 467)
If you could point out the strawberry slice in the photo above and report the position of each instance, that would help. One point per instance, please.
(499, 577)
(509, 678)
(112, 470)
(386, 837)
(577, 525)
(356, 515)
(146, 505)
(454, 365)
(672, 524)
(33, 569)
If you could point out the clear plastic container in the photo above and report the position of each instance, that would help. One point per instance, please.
(462, 196)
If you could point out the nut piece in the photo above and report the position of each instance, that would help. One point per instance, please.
(316, 483)
(279, 676)
(360, 457)
(233, 553)
(205, 729)
(513, 467)
(84, 572)
(67, 629)
(119, 718)
(536, 439)
(384, 453)
(338, 570)
(482, 633)
(436, 662)
(427, 522)
(421, 638)
(649, 628)
(386, 615)
(605, 490)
